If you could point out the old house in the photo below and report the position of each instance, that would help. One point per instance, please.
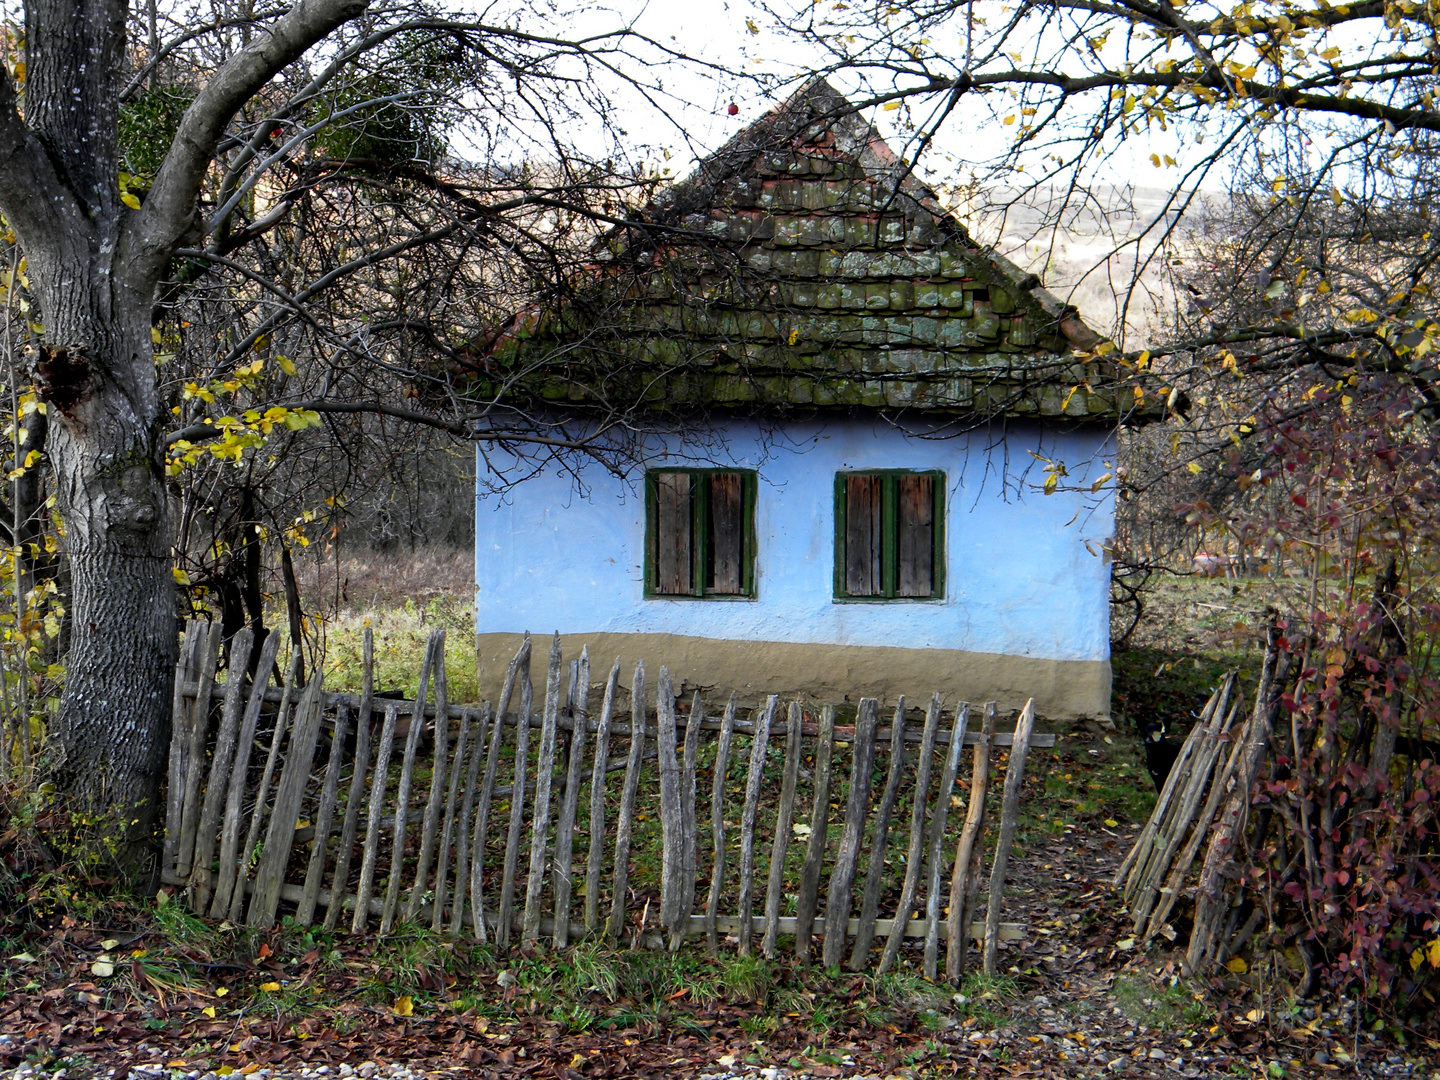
(884, 466)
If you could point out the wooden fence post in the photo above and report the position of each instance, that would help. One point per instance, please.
(270, 874)
(351, 826)
(758, 740)
(595, 853)
(915, 854)
(842, 877)
(780, 845)
(879, 841)
(965, 878)
(540, 818)
(1009, 815)
(628, 794)
(235, 796)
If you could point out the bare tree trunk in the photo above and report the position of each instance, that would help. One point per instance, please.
(112, 728)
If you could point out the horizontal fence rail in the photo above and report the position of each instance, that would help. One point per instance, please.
(784, 822)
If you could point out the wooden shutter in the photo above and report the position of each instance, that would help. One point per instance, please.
(915, 535)
(727, 534)
(672, 533)
(863, 513)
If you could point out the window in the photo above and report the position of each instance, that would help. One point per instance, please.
(700, 533)
(889, 535)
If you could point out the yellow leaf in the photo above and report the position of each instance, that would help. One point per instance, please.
(254, 1066)
(221, 991)
(1434, 953)
(1237, 965)
(270, 987)
(1416, 959)
(1155, 160)
(1010, 119)
(1254, 1015)
(1110, 821)
(404, 1005)
(209, 1010)
(180, 576)
(794, 336)
(224, 1070)
(130, 200)
(19, 70)
(286, 364)
(891, 106)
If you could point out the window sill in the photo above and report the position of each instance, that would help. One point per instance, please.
(932, 600)
(717, 599)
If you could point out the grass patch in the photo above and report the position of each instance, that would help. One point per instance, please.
(1163, 1006)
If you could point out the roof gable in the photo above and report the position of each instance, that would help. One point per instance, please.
(800, 265)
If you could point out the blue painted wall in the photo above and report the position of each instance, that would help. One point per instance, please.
(564, 551)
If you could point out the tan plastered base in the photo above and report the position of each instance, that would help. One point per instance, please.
(1062, 689)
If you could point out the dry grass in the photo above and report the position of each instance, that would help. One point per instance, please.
(402, 596)
(368, 580)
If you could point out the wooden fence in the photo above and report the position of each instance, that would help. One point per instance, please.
(337, 799)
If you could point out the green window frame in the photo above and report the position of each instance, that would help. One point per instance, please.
(889, 535)
(700, 534)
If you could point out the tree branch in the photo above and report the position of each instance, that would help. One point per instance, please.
(39, 205)
(170, 210)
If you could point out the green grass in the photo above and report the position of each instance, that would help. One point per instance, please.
(1164, 1006)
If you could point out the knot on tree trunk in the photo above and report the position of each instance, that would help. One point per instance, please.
(62, 376)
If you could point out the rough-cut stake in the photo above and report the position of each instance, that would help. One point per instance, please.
(447, 831)
(565, 823)
(874, 876)
(402, 796)
(235, 796)
(289, 792)
(430, 830)
(329, 792)
(1009, 815)
(672, 825)
(1210, 904)
(218, 782)
(1173, 831)
(623, 826)
(915, 854)
(1201, 829)
(935, 863)
(809, 896)
(688, 856)
(857, 804)
(195, 757)
(1145, 842)
(717, 824)
(370, 851)
(187, 669)
(594, 855)
(351, 825)
(1161, 821)
(775, 887)
(540, 818)
(262, 793)
(505, 914)
(760, 737)
(965, 878)
(487, 791)
(462, 833)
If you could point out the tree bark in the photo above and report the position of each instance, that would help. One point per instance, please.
(96, 265)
